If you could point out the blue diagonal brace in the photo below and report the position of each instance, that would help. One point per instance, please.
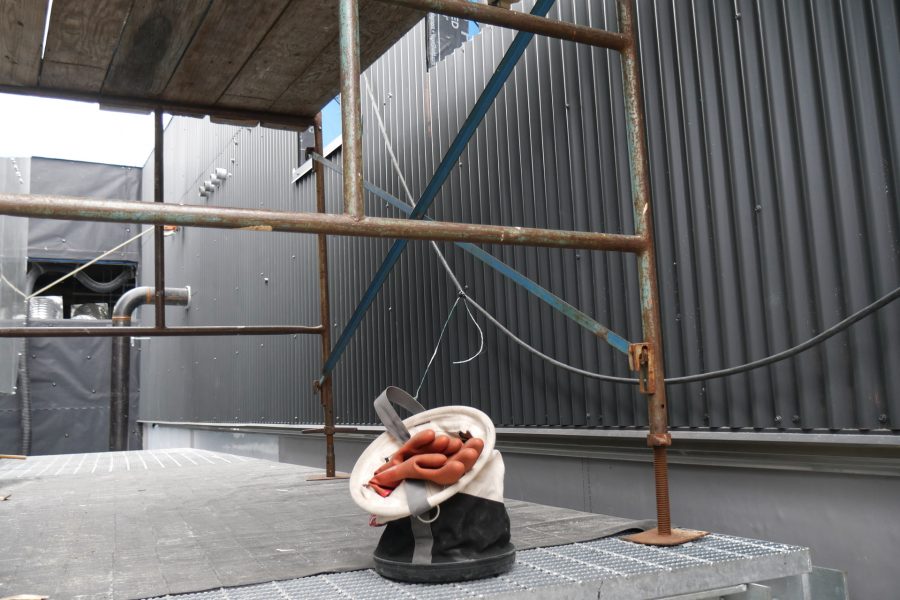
(476, 115)
(534, 288)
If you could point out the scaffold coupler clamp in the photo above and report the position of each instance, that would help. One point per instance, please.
(640, 360)
(659, 440)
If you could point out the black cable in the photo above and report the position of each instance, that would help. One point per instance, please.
(813, 341)
(818, 339)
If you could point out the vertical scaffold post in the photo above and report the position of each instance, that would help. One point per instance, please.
(325, 393)
(351, 118)
(647, 357)
(159, 256)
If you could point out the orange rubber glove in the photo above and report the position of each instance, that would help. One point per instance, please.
(435, 467)
(420, 444)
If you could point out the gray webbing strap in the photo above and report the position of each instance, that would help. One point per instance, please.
(416, 496)
(424, 541)
(392, 421)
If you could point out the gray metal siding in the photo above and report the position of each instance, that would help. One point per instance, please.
(239, 378)
(773, 135)
(82, 240)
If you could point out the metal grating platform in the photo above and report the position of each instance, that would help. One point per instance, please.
(607, 568)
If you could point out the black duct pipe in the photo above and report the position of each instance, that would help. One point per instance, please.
(101, 287)
(104, 287)
(120, 368)
(24, 376)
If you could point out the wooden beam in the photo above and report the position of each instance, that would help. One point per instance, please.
(155, 38)
(128, 103)
(21, 36)
(292, 45)
(81, 41)
(379, 27)
(227, 37)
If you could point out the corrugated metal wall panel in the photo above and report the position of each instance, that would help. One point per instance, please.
(773, 135)
(237, 277)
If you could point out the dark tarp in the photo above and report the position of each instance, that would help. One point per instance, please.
(70, 394)
(82, 240)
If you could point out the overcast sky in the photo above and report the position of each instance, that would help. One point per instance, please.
(31, 126)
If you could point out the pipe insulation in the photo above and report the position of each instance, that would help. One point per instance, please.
(24, 375)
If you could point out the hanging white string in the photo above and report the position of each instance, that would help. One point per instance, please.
(440, 255)
(27, 297)
(466, 301)
(437, 346)
(12, 286)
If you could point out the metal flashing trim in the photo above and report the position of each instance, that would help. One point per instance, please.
(824, 458)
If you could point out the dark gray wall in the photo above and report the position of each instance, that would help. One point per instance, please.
(774, 145)
(69, 395)
(236, 278)
(70, 378)
(82, 240)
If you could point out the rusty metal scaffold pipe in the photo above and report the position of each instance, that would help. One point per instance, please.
(647, 357)
(324, 388)
(519, 21)
(159, 251)
(120, 363)
(186, 331)
(218, 217)
(351, 116)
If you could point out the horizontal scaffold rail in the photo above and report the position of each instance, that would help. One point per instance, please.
(532, 287)
(219, 217)
(520, 21)
(195, 331)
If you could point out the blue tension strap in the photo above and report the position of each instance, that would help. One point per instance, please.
(533, 287)
(482, 105)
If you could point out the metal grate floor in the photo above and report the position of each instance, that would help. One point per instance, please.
(606, 568)
(99, 463)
